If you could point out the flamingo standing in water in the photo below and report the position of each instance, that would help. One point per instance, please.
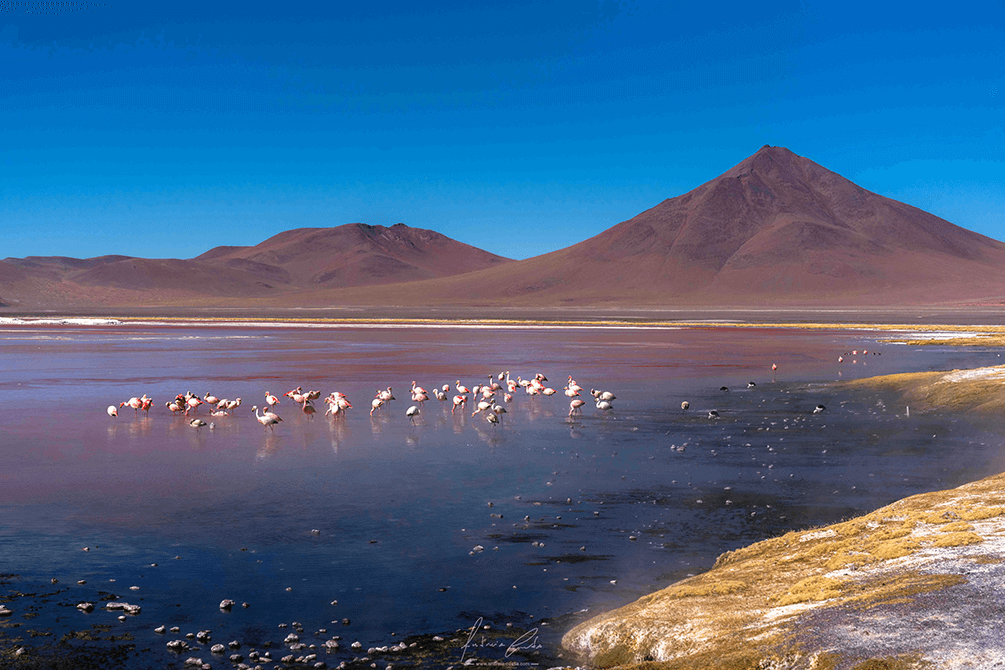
(268, 418)
(385, 396)
(412, 412)
(133, 402)
(374, 404)
(575, 406)
(461, 388)
(271, 400)
(113, 411)
(459, 401)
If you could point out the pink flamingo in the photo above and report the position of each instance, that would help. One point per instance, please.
(459, 401)
(271, 400)
(268, 418)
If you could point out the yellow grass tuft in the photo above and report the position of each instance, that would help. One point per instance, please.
(958, 540)
(811, 588)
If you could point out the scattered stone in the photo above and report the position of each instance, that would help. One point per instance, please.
(203, 636)
(315, 532)
(194, 661)
(236, 658)
(478, 547)
(345, 622)
(437, 638)
(288, 659)
(283, 625)
(226, 605)
(234, 644)
(160, 630)
(356, 646)
(190, 636)
(218, 648)
(331, 645)
(4, 611)
(81, 582)
(21, 651)
(177, 646)
(153, 565)
(334, 602)
(86, 549)
(134, 588)
(122, 617)
(55, 581)
(292, 637)
(87, 608)
(289, 588)
(175, 629)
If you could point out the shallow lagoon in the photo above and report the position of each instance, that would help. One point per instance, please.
(586, 514)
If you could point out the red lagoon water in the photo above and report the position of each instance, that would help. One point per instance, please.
(426, 528)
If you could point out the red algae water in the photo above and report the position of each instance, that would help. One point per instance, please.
(380, 530)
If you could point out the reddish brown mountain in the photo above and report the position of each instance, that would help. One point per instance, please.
(356, 255)
(776, 228)
(292, 263)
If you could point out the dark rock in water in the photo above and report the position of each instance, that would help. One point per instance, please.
(234, 644)
(177, 646)
(226, 605)
(4, 611)
(85, 607)
(218, 649)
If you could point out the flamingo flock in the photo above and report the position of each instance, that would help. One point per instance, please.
(488, 399)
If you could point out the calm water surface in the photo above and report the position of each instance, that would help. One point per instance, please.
(573, 514)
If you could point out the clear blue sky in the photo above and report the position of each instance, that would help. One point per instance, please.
(167, 129)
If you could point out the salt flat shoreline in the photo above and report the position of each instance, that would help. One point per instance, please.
(933, 333)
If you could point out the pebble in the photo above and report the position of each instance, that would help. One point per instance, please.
(177, 645)
(218, 649)
(175, 629)
(203, 636)
(160, 629)
(85, 607)
(55, 581)
(234, 644)
(81, 581)
(315, 532)
(134, 588)
(225, 605)
(292, 637)
(236, 658)
(4, 611)
(245, 605)
(122, 617)
(289, 588)
(356, 645)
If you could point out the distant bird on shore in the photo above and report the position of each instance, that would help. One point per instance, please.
(713, 414)
(751, 385)
(724, 389)
(818, 409)
(684, 405)
(774, 366)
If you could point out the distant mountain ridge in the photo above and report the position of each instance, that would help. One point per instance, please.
(775, 229)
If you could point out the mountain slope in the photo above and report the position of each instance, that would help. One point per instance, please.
(357, 254)
(776, 228)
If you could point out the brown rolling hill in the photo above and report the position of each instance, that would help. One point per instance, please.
(293, 263)
(776, 229)
(356, 255)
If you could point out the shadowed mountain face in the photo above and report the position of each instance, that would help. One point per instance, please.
(776, 229)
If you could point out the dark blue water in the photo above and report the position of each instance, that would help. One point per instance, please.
(572, 514)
